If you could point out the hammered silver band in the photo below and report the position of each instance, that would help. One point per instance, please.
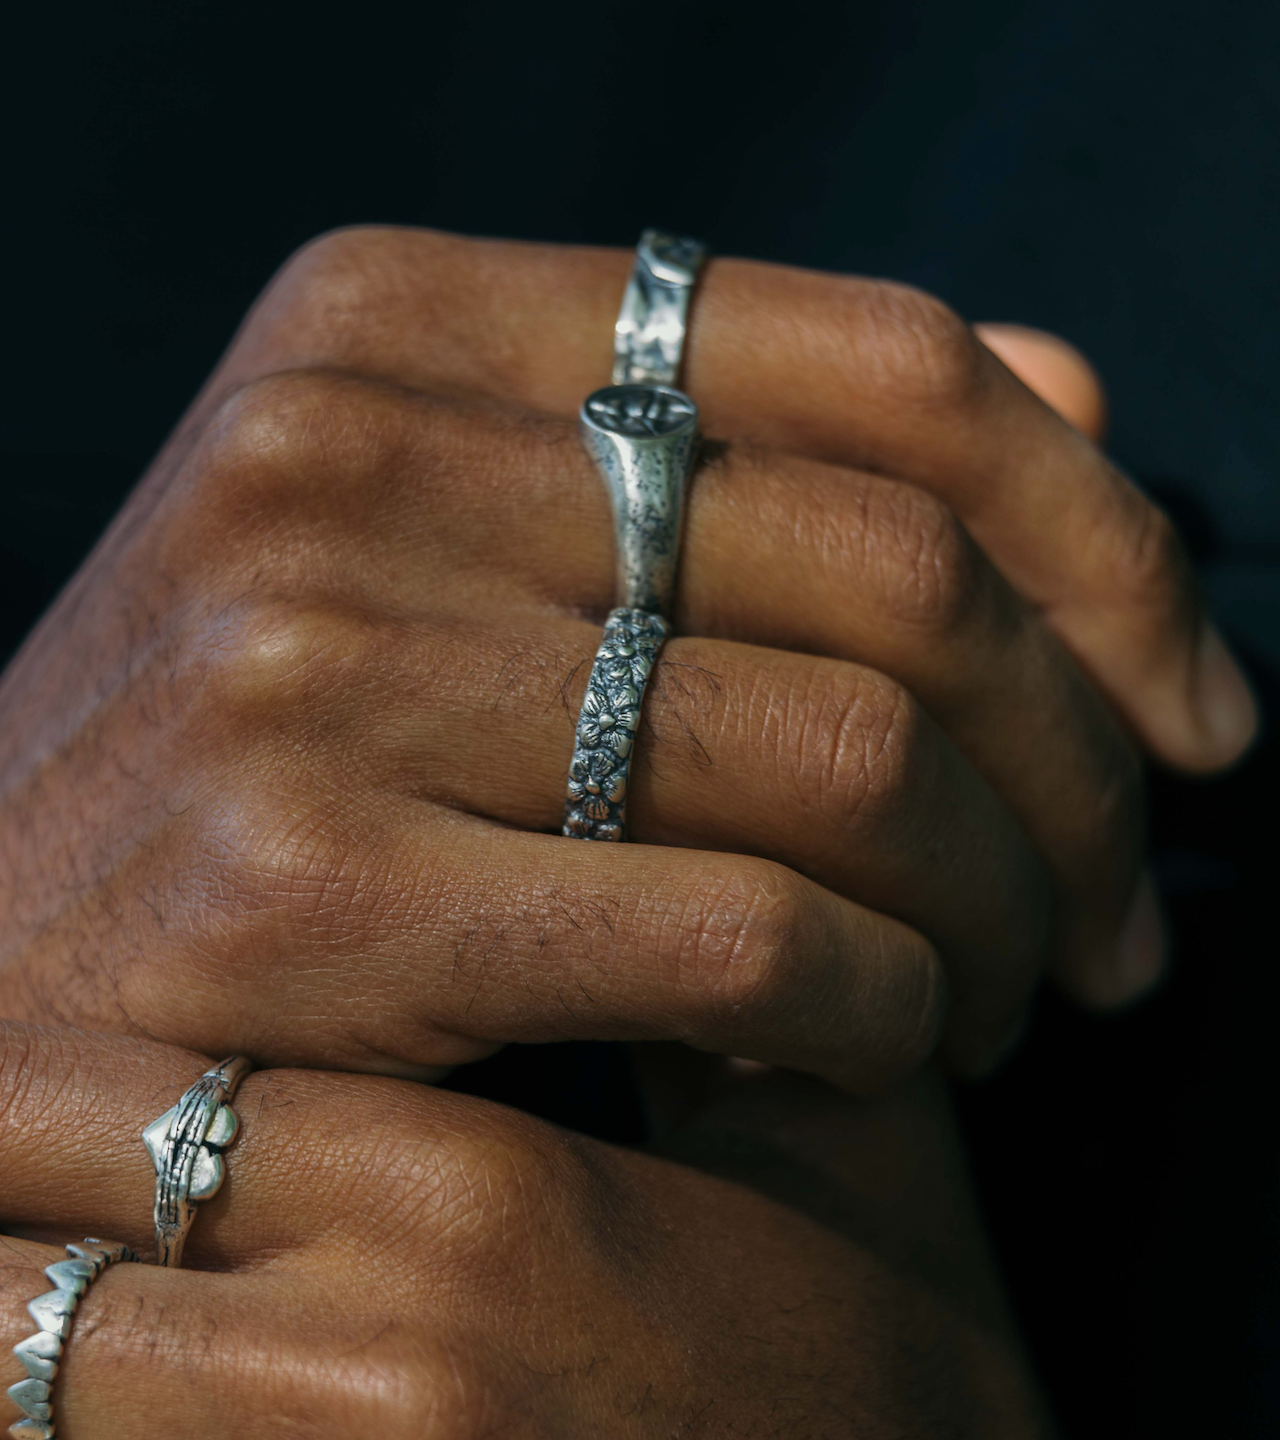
(595, 805)
(41, 1353)
(186, 1146)
(648, 339)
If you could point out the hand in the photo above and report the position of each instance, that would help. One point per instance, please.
(397, 1261)
(270, 763)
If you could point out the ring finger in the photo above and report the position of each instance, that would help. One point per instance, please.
(327, 903)
(781, 552)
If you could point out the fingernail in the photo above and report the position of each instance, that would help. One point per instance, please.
(1140, 954)
(1228, 711)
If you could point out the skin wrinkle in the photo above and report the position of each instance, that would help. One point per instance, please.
(300, 849)
(313, 674)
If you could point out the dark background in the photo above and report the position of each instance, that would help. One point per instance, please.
(1107, 170)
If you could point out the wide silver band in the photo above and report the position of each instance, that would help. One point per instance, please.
(595, 806)
(186, 1146)
(41, 1353)
(648, 340)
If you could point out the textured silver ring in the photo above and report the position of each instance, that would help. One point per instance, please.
(595, 805)
(644, 442)
(648, 339)
(41, 1353)
(186, 1145)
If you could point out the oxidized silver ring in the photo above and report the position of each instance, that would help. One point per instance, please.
(642, 435)
(644, 442)
(643, 439)
(186, 1146)
(648, 340)
(595, 806)
(40, 1353)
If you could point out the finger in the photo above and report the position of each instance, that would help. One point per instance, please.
(793, 554)
(826, 768)
(74, 1104)
(1054, 370)
(837, 368)
(146, 1346)
(425, 938)
(234, 1353)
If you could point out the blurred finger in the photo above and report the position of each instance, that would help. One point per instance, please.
(1055, 370)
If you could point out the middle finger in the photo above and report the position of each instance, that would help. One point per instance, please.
(478, 506)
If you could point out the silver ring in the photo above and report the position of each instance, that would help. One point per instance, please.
(643, 440)
(595, 806)
(642, 435)
(648, 340)
(186, 1146)
(40, 1353)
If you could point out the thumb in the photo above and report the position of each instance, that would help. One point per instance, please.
(1054, 370)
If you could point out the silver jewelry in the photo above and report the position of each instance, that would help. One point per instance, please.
(40, 1353)
(642, 434)
(186, 1146)
(643, 439)
(648, 339)
(596, 797)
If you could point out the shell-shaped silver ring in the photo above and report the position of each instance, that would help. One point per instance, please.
(186, 1145)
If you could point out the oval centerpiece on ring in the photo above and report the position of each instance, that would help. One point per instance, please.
(643, 440)
(640, 410)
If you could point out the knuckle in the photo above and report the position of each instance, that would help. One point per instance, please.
(327, 291)
(48, 1079)
(481, 1193)
(339, 270)
(857, 746)
(397, 1387)
(241, 487)
(1148, 562)
(929, 571)
(275, 656)
(920, 347)
(272, 417)
(344, 245)
(303, 871)
(277, 440)
(903, 1003)
(19, 1063)
(300, 462)
(748, 926)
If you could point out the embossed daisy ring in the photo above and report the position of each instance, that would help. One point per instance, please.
(644, 441)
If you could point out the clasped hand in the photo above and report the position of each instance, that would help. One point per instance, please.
(280, 766)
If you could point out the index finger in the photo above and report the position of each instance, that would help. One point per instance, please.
(840, 368)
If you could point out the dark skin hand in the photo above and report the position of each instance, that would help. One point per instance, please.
(388, 1259)
(274, 769)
